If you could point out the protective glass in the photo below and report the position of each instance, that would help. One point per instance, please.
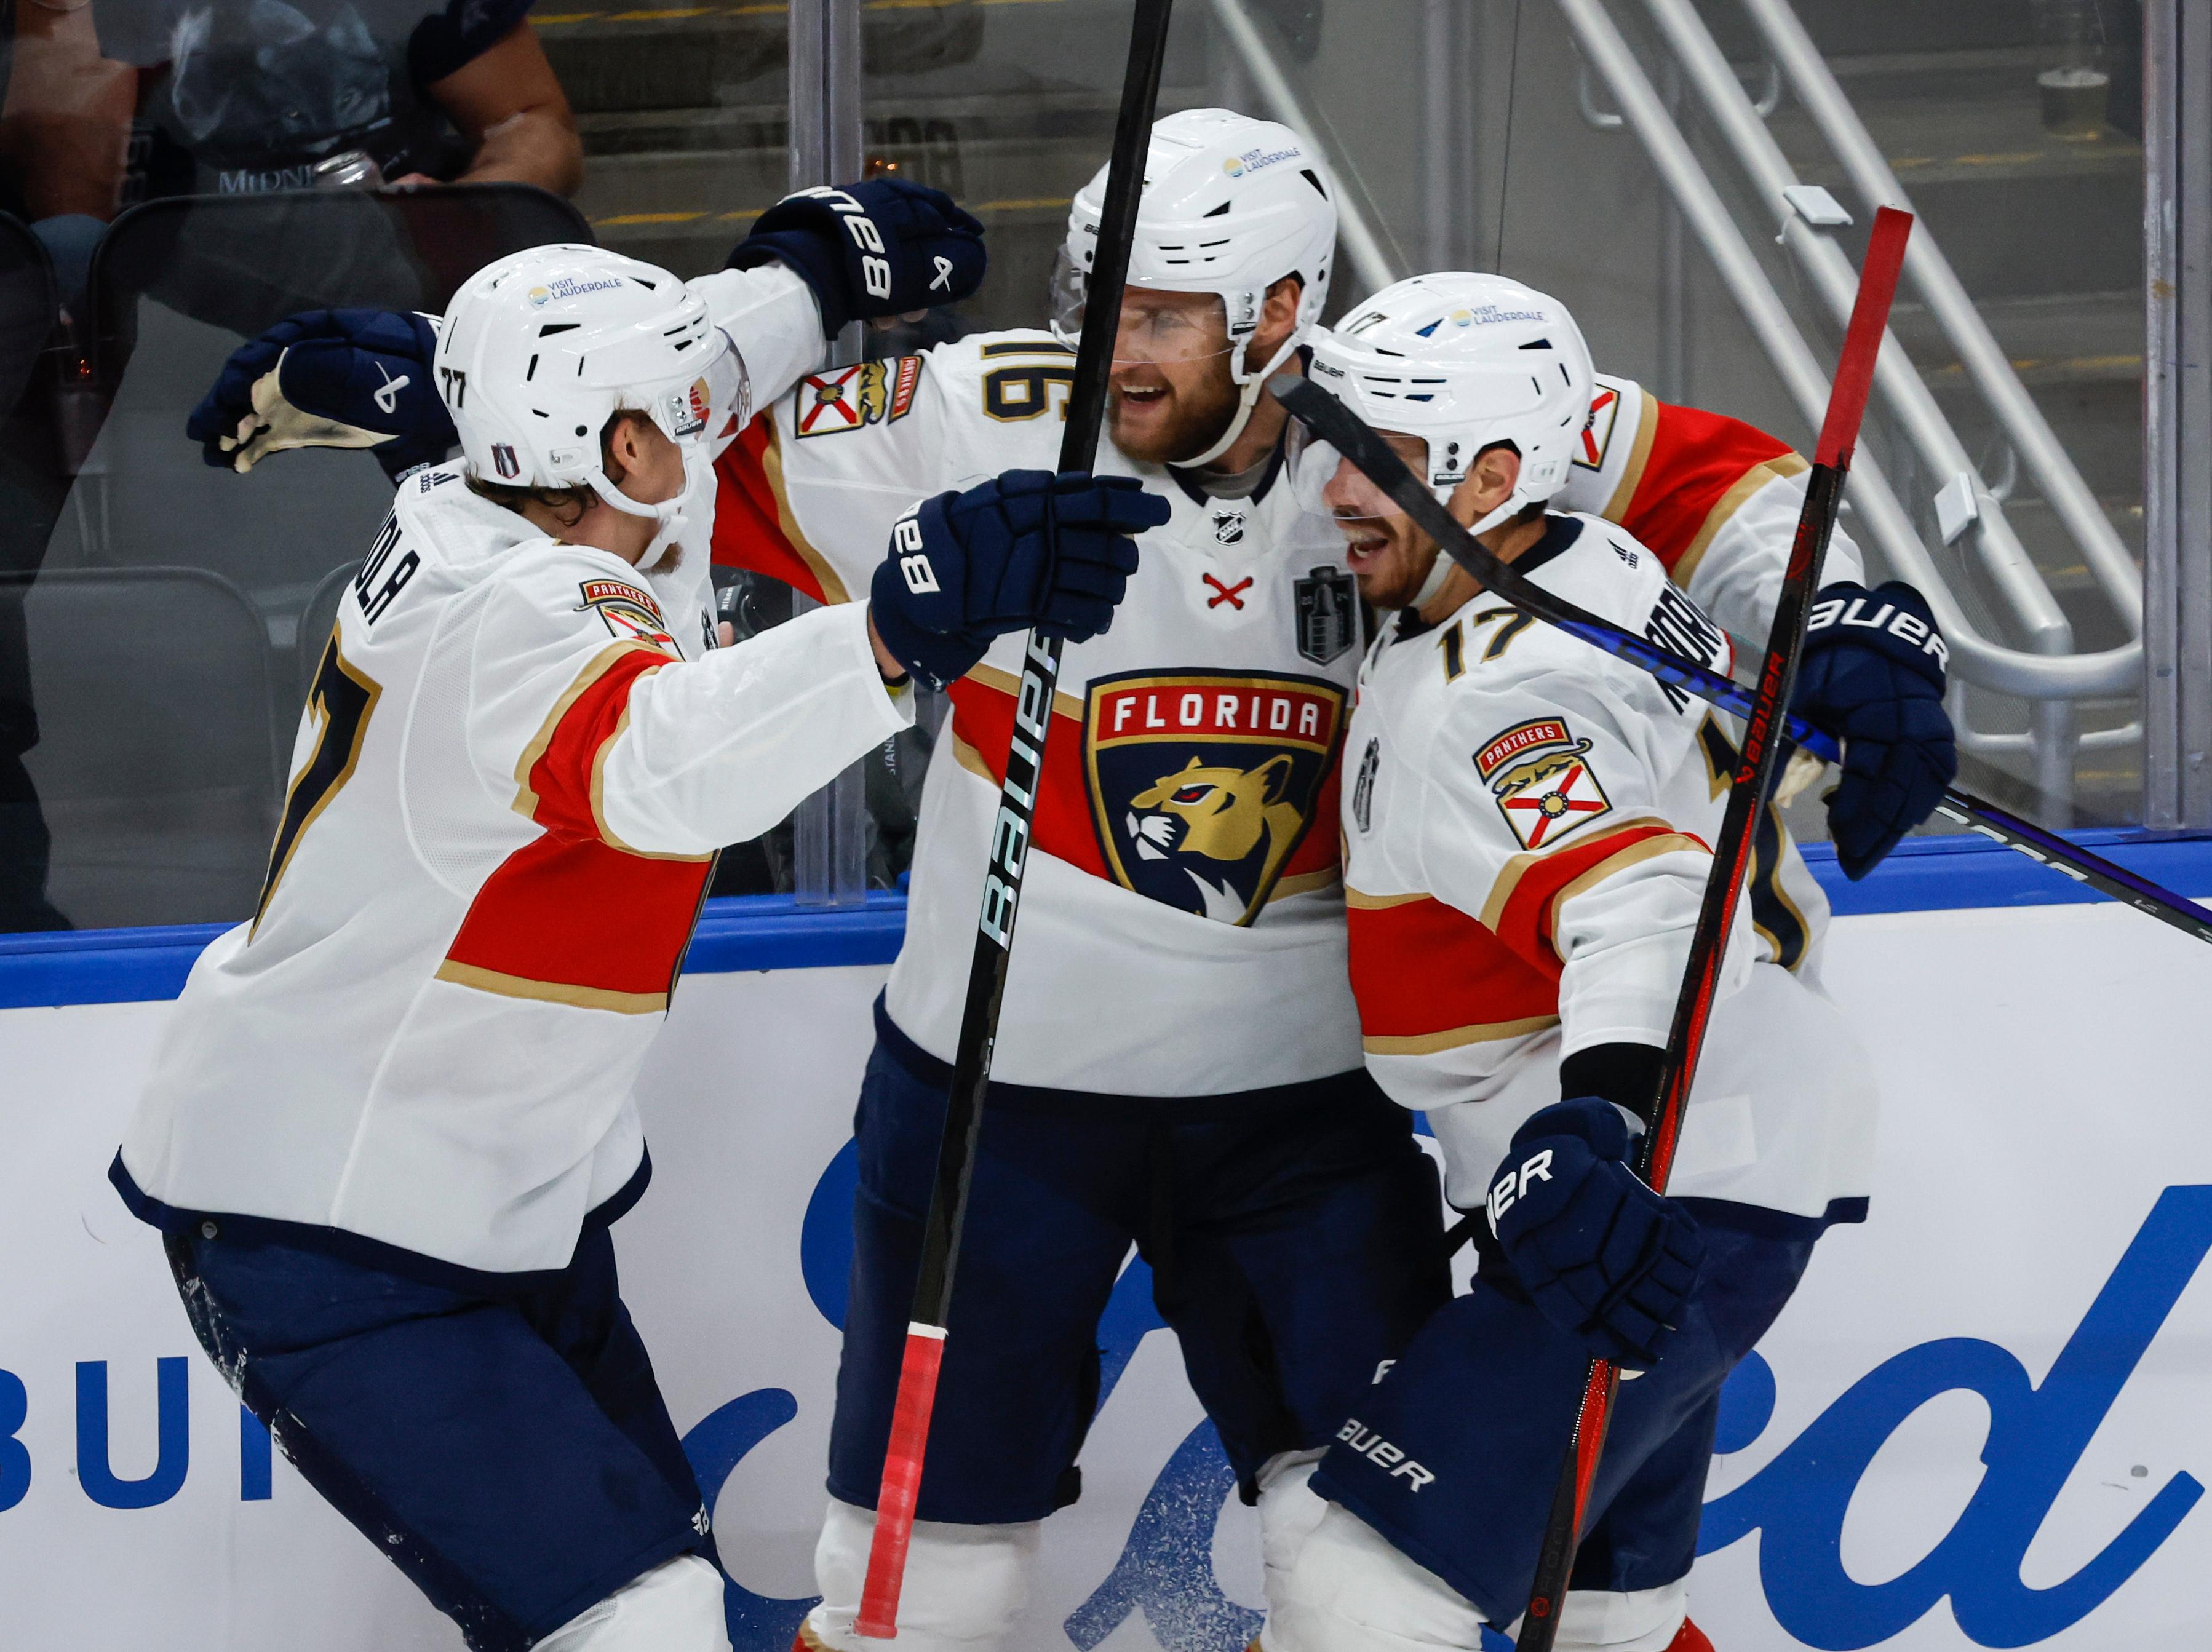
(1151, 333)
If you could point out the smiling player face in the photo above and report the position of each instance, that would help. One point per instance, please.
(1170, 395)
(1386, 551)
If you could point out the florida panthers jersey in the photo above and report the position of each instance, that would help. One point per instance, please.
(1528, 825)
(1182, 920)
(516, 762)
(1715, 498)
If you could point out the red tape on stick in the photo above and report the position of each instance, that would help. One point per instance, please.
(901, 1485)
(1854, 380)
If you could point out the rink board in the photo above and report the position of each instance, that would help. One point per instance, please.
(1983, 1421)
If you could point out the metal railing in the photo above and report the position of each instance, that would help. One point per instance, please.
(2046, 671)
(1364, 245)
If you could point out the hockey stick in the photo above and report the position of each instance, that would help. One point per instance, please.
(1759, 765)
(1002, 882)
(1332, 422)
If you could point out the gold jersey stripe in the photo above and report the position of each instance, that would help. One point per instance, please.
(833, 588)
(1366, 902)
(1006, 683)
(1510, 875)
(1454, 1038)
(1781, 467)
(551, 992)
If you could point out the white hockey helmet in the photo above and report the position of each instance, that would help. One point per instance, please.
(1231, 206)
(542, 348)
(1465, 361)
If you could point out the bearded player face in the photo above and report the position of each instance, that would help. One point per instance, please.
(1170, 395)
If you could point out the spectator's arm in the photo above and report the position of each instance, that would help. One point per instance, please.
(66, 123)
(507, 102)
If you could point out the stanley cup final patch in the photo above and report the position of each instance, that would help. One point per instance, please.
(1540, 774)
(1327, 614)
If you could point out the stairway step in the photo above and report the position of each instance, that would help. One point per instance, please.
(2019, 211)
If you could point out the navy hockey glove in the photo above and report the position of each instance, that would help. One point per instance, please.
(1026, 549)
(1602, 1256)
(328, 378)
(1872, 676)
(885, 247)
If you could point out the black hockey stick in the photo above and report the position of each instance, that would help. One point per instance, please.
(1332, 422)
(1764, 742)
(1010, 842)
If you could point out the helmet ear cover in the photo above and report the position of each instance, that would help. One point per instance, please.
(566, 504)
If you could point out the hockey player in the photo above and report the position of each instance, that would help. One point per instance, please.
(391, 1122)
(1527, 836)
(1178, 1061)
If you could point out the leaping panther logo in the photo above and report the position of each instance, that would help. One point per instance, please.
(1225, 815)
(1203, 786)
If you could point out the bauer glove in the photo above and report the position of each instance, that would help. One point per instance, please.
(1026, 549)
(328, 378)
(885, 247)
(1872, 676)
(1602, 1256)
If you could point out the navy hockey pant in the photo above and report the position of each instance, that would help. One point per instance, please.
(1452, 1454)
(1294, 1236)
(510, 1453)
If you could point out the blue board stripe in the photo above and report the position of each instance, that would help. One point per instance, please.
(772, 931)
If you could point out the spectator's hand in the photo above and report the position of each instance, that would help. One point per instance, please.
(871, 251)
(328, 378)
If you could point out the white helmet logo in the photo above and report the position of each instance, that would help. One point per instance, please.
(570, 287)
(1256, 160)
(944, 274)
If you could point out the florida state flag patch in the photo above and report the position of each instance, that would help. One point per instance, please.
(1540, 774)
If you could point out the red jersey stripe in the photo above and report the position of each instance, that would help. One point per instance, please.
(1427, 975)
(573, 920)
(1523, 905)
(1693, 477)
(983, 721)
(753, 527)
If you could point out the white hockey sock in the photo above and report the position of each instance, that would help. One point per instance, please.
(964, 1585)
(1642, 1620)
(1289, 1510)
(1350, 1591)
(675, 1607)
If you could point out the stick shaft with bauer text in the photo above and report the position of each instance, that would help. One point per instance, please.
(1009, 850)
(1764, 742)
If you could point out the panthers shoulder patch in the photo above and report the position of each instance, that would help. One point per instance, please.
(1540, 774)
(854, 398)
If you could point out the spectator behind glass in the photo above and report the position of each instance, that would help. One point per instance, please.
(64, 126)
(246, 96)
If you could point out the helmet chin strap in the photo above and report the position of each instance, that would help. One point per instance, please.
(1248, 400)
(1440, 570)
(668, 515)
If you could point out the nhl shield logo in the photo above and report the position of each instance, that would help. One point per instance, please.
(1540, 774)
(1327, 615)
(1228, 527)
(1203, 783)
